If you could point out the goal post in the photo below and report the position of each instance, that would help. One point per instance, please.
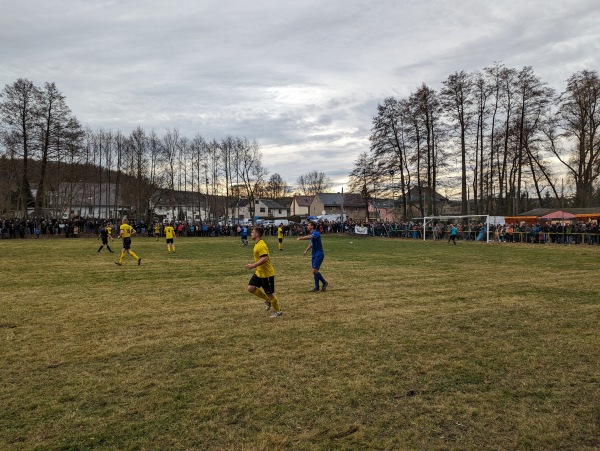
(454, 218)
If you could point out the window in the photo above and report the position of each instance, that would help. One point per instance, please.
(262, 209)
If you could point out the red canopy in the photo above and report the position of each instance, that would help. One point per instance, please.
(559, 214)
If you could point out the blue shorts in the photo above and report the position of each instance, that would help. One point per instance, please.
(317, 260)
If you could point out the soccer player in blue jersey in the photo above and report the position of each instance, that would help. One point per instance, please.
(317, 254)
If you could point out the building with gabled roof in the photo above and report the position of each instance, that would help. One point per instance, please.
(301, 205)
(352, 206)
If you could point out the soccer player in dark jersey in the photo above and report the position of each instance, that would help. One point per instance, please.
(262, 283)
(317, 254)
(104, 235)
(125, 232)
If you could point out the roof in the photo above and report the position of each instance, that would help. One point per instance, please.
(336, 199)
(414, 191)
(241, 202)
(382, 203)
(304, 201)
(270, 203)
(575, 211)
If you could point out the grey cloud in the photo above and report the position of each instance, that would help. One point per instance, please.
(302, 78)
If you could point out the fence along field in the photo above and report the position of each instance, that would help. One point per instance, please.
(416, 345)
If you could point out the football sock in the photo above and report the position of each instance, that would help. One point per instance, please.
(122, 257)
(133, 255)
(323, 281)
(261, 294)
(316, 277)
(100, 248)
(275, 303)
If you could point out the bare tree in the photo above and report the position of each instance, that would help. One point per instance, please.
(363, 178)
(389, 143)
(457, 97)
(19, 113)
(276, 186)
(55, 120)
(579, 112)
(313, 183)
(252, 172)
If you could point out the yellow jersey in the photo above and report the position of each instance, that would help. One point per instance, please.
(280, 232)
(169, 232)
(126, 230)
(266, 269)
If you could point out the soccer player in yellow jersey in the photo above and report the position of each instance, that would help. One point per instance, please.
(125, 232)
(170, 236)
(262, 283)
(109, 230)
(156, 230)
(280, 237)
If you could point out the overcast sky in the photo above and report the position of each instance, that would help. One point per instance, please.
(301, 78)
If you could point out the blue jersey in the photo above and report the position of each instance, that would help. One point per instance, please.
(244, 231)
(315, 242)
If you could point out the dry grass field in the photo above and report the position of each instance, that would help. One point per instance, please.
(415, 346)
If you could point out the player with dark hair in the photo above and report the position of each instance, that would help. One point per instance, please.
(317, 254)
(262, 283)
(104, 235)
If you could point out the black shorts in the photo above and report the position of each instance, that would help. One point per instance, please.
(281, 240)
(126, 243)
(104, 240)
(266, 283)
(169, 240)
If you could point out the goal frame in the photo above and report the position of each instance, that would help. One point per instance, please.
(428, 219)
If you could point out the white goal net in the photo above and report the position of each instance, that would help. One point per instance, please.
(470, 227)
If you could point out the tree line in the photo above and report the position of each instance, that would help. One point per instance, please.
(39, 130)
(499, 137)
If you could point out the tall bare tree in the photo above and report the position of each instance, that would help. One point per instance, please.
(389, 143)
(55, 119)
(20, 116)
(363, 178)
(276, 186)
(313, 183)
(457, 97)
(252, 172)
(579, 109)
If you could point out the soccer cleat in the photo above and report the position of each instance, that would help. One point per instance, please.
(315, 289)
(118, 264)
(139, 261)
(277, 314)
(267, 305)
(325, 285)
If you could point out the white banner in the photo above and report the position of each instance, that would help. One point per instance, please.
(361, 230)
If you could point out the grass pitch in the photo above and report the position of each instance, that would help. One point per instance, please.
(415, 345)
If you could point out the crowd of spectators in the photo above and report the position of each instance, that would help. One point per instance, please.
(558, 232)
